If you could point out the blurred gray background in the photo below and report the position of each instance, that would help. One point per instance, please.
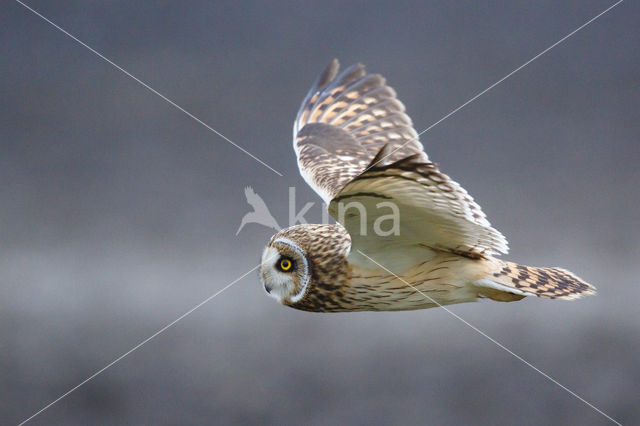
(118, 212)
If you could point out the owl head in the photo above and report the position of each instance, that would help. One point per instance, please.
(297, 258)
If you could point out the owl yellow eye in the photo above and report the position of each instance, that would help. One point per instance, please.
(285, 264)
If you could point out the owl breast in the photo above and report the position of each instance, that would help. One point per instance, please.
(442, 280)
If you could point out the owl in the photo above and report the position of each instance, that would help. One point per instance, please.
(357, 148)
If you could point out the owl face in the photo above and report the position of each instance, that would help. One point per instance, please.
(302, 264)
(284, 270)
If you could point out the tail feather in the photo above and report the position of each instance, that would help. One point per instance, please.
(549, 283)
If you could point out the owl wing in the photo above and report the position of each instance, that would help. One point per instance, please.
(410, 205)
(343, 123)
(356, 146)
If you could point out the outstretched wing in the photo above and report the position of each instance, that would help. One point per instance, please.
(343, 123)
(346, 125)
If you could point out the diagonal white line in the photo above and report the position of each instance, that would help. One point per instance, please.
(500, 345)
(501, 80)
(138, 346)
(145, 85)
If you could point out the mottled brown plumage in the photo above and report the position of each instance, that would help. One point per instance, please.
(550, 283)
(357, 148)
(343, 122)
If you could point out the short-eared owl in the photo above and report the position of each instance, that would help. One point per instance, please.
(357, 148)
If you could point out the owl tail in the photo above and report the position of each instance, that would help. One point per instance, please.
(509, 281)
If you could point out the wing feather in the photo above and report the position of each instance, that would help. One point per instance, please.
(349, 121)
(434, 211)
(363, 113)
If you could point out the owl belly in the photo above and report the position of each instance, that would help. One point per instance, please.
(442, 280)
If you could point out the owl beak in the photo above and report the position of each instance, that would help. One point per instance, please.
(267, 288)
